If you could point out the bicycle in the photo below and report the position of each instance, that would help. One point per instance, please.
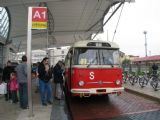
(125, 77)
(143, 81)
(133, 79)
(154, 82)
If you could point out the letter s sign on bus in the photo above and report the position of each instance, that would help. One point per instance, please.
(39, 18)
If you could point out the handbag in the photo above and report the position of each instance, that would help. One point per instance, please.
(3, 88)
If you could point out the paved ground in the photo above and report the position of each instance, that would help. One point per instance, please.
(154, 115)
(100, 107)
(10, 111)
(59, 111)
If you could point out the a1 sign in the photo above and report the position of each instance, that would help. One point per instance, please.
(39, 18)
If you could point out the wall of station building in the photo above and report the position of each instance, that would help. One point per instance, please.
(57, 54)
(54, 54)
(37, 56)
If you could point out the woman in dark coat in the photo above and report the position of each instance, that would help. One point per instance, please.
(58, 79)
(6, 78)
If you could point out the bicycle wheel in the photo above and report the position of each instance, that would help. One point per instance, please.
(143, 82)
(131, 80)
(136, 79)
(125, 78)
(154, 84)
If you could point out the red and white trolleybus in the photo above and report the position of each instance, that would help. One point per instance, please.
(93, 68)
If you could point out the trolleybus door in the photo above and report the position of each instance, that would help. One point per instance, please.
(69, 69)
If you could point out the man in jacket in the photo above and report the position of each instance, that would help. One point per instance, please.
(21, 70)
(6, 78)
(45, 87)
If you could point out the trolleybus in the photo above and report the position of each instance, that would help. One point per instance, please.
(93, 68)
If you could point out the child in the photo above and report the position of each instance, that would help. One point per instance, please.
(13, 87)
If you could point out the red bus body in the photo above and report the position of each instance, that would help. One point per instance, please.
(85, 81)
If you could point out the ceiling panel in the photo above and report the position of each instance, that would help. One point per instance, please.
(73, 20)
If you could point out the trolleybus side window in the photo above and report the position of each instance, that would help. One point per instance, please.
(68, 58)
(67, 61)
(116, 57)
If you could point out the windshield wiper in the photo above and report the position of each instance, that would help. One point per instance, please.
(112, 65)
(91, 62)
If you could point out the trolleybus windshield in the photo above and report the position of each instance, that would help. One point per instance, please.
(96, 56)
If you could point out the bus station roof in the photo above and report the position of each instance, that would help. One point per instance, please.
(147, 59)
(69, 21)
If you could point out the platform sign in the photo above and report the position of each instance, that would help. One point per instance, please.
(39, 18)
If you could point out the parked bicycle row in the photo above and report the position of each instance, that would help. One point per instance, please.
(143, 79)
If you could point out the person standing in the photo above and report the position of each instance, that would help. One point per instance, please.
(21, 70)
(58, 80)
(45, 74)
(154, 68)
(6, 78)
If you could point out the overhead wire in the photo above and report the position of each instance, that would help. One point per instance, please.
(117, 23)
(108, 19)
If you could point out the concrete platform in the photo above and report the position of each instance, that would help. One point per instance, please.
(10, 111)
(147, 91)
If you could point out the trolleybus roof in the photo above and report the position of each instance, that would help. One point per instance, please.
(95, 43)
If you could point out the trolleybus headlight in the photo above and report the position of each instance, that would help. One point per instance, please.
(81, 83)
(118, 82)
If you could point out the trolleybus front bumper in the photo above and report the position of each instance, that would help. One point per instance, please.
(97, 91)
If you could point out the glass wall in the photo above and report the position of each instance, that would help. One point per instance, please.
(4, 24)
(4, 32)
